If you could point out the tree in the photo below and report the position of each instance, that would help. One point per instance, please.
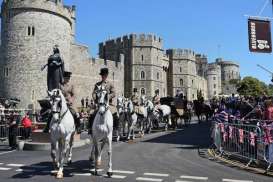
(250, 86)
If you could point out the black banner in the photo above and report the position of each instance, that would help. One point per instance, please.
(259, 32)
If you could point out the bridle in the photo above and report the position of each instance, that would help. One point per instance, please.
(59, 108)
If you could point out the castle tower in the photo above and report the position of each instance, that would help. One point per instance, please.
(229, 71)
(29, 31)
(182, 73)
(145, 64)
(213, 75)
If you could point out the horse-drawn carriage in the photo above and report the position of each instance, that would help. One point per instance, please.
(179, 110)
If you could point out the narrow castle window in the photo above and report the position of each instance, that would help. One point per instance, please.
(181, 82)
(180, 69)
(214, 78)
(33, 31)
(214, 86)
(142, 58)
(28, 31)
(143, 92)
(33, 95)
(215, 93)
(142, 75)
(157, 75)
(6, 71)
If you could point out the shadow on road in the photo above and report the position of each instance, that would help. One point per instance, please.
(192, 137)
(46, 169)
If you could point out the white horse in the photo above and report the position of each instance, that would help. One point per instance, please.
(102, 130)
(162, 114)
(132, 117)
(62, 130)
(148, 110)
(122, 117)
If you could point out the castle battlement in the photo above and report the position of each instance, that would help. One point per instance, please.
(56, 8)
(187, 54)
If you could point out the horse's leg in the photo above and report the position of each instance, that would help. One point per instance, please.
(110, 170)
(62, 151)
(71, 142)
(53, 154)
(96, 145)
(92, 156)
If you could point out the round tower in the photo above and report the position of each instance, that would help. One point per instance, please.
(29, 31)
(213, 75)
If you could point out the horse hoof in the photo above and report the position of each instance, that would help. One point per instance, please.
(94, 173)
(109, 174)
(59, 175)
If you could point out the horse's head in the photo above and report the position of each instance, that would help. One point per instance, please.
(56, 100)
(103, 99)
(143, 100)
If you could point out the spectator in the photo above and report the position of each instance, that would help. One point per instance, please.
(87, 102)
(82, 102)
(268, 113)
(13, 132)
(26, 122)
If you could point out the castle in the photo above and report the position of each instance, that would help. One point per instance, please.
(29, 30)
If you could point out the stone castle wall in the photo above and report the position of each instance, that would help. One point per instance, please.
(29, 31)
(213, 75)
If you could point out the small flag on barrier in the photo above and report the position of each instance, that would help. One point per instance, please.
(241, 135)
(225, 136)
(230, 131)
(252, 138)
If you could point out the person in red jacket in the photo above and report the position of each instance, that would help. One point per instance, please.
(26, 122)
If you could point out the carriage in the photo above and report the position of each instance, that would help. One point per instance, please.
(178, 111)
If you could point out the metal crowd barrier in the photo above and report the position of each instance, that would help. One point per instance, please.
(253, 143)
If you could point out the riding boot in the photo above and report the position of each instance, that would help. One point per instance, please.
(46, 129)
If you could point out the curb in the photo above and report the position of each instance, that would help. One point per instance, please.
(238, 164)
(36, 146)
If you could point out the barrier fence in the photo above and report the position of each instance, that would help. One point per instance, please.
(253, 143)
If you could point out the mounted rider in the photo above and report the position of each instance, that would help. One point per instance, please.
(68, 90)
(138, 109)
(179, 102)
(109, 87)
(156, 99)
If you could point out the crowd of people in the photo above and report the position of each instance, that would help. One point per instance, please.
(243, 108)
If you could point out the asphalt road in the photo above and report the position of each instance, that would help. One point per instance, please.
(165, 156)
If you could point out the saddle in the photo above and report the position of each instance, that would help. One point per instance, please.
(180, 112)
(139, 110)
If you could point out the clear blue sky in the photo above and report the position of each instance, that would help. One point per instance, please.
(200, 25)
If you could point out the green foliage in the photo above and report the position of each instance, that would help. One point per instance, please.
(251, 86)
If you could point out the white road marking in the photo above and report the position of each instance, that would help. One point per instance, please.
(156, 174)
(182, 181)
(99, 170)
(116, 176)
(194, 177)
(123, 172)
(81, 174)
(25, 170)
(1, 163)
(7, 152)
(234, 180)
(149, 179)
(4, 168)
(15, 165)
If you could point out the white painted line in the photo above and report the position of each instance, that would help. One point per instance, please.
(25, 170)
(182, 181)
(15, 165)
(123, 172)
(194, 177)
(99, 170)
(7, 152)
(115, 176)
(156, 174)
(81, 174)
(149, 179)
(4, 169)
(234, 180)
(1, 163)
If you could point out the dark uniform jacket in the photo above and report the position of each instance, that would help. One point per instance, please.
(110, 89)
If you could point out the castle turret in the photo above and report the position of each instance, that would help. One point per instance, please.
(182, 72)
(29, 31)
(213, 75)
